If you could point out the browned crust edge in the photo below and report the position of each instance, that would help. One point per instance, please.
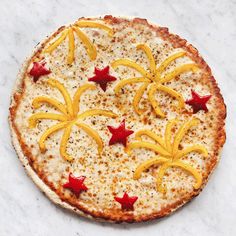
(117, 217)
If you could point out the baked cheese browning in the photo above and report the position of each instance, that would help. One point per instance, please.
(169, 153)
(70, 116)
(153, 77)
(76, 28)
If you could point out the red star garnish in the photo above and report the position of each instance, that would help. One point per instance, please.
(119, 134)
(198, 102)
(76, 184)
(102, 77)
(127, 202)
(38, 70)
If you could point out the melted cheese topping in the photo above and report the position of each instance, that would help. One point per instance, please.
(109, 171)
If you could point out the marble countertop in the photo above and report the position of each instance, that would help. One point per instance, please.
(209, 25)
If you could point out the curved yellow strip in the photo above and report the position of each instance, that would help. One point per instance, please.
(147, 164)
(160, 176)
(122, 83)
(173, 93)
(56, 84)
(78, 93)
(168, 60)
(181, 132)
(51, 101)
(90, 48)
(94, 134)
(154, 103)
(93, 24)
(191, 170)
(179, 70)
(71, 42)
(39, 116)
(154, 147)
(138, 97)
(194, 148)
(47, 133)
(131, 64)
(169, 127)
(64, 142)
(150, 57)
(96, 112)
(151, 135)
(56, 43)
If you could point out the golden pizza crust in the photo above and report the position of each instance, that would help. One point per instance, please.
(116, 215)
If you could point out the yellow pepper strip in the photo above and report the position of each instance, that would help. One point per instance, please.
(93, 24)
(131, 64)
(179, 70)
(181, 132)
(91, 132)
(64, 92)
(169, 127)
(154, 147)
(160, 176)
(138, 97)
(168, 60)
(151, 135)
(38, 116)
(122, 83)
(48, 132)
(150, 57)
(96, 112)
(71, 42)
(147, 164)
(173, 93)
(90, 48)
(51, 101)
(78, 93)
(55, 44)
(154, 103)
(64, 142)
(194, 148)
(191, 170)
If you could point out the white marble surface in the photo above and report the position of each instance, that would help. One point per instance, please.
(209, 25)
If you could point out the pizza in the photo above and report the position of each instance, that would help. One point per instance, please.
(117, 119)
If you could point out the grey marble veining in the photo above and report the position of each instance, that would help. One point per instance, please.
(209, 25)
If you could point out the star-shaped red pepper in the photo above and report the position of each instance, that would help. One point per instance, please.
(198, 102)
(76, 184)
(127, 202)
(38, 70)
(119, 134)
(102, 77)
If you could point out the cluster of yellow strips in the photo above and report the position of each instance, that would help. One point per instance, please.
(69, 116)
(169, 153)
(154, 77)
(69, 32)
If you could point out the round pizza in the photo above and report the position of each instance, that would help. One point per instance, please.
(117, 119)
